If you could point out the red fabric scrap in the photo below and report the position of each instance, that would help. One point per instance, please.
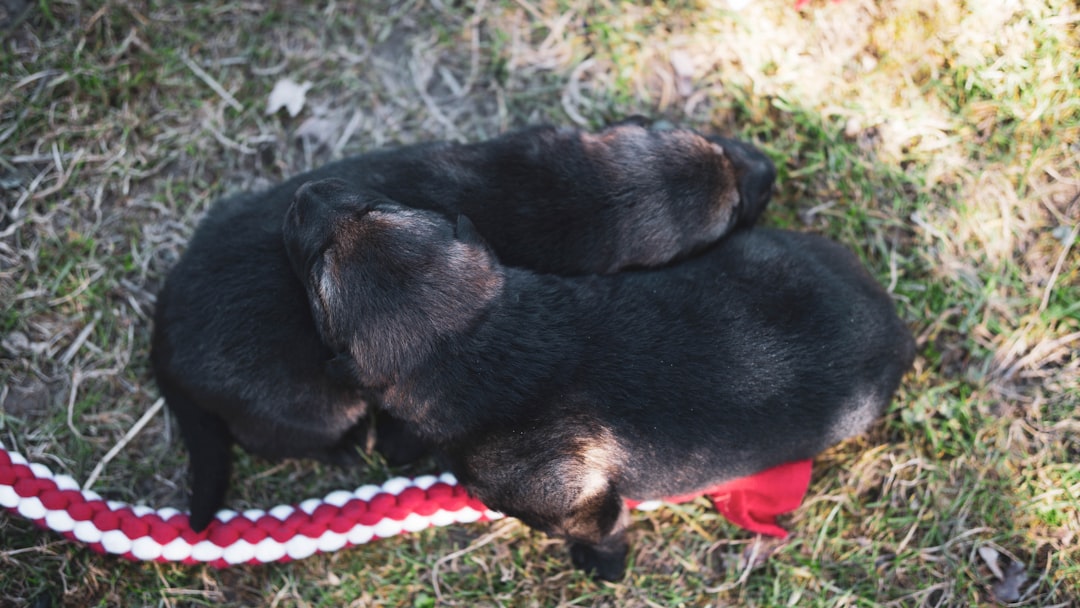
(753, 502)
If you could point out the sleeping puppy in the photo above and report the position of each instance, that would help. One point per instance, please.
(236, 353)
(555, 398)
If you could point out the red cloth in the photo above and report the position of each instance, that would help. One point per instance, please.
(753, 502)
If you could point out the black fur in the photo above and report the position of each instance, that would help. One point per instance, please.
(554, 398)
(235, 351)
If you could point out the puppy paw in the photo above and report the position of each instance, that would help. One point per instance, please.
(606, 565)
(397, 443)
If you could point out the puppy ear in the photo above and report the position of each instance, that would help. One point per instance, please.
(466, 232)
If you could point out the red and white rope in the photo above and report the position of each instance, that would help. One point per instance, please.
(284, 533)
(340, 519)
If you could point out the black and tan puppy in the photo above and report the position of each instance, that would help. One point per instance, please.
(555, 398)
(235, 351)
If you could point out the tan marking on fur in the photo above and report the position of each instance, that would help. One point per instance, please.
(727, 199)
(373, 224)
(863, 410)
(326, 286)
(487, 285)
(599, 459)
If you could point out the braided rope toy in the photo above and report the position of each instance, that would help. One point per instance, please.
(282, 534)
(341, 519)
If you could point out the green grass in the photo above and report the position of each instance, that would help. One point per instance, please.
(937, 139)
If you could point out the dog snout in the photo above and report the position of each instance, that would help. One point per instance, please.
(756, 175)
(319, 205)
(312, 195)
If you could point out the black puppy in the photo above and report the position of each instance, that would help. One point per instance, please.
(555, 398)
(235, 351)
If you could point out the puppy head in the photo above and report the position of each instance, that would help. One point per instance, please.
(385, 282)
(737, 181)
(755, 174)
(690, 189)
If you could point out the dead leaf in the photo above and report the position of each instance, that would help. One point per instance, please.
(990, 555)
(29, 398)
(319, 130)
(1007, 590)
(289, 95)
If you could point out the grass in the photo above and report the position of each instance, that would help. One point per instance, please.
(937, 139)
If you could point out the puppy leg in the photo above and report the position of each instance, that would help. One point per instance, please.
(397, 442)
(388, 436)
(209, 446)
(346, 452)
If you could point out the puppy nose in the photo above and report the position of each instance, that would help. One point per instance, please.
(756, 172)
(297, 211)
(313, 195)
